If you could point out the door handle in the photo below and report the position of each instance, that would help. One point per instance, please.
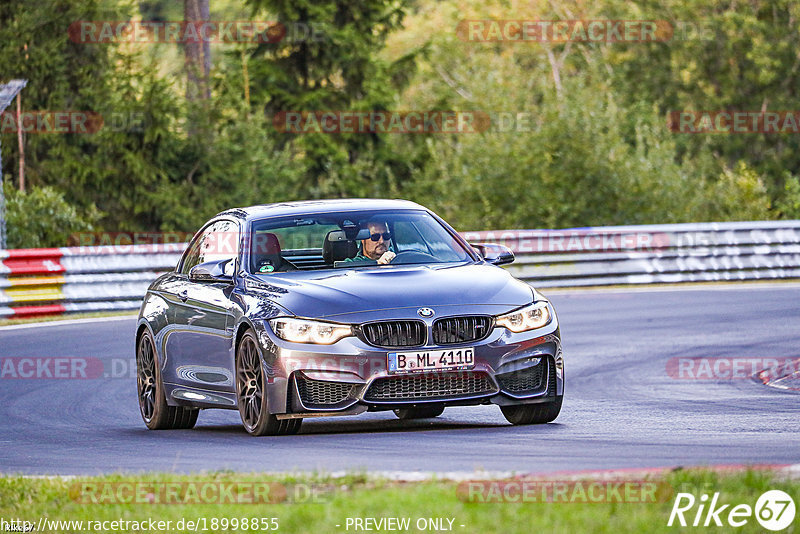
(183, 295)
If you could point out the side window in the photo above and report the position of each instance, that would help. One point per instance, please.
(219, 241)
(192, 257)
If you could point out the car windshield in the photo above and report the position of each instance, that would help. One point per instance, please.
(348, 240)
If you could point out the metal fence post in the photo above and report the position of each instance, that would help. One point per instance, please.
(7, 93)
(2, 205)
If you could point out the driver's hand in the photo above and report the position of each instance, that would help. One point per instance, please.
(386, 258)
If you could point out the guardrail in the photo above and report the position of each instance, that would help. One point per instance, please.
(80, 279)
(668, 253)
(83, 279)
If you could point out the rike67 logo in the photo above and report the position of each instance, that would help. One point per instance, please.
(774, 510)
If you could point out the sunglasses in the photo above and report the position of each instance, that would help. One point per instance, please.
(377, 237)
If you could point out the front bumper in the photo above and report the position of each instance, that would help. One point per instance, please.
(352, 376)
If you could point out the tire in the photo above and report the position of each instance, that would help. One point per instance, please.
(153, 407)
(419, 412)
(533, 414)
(251, 397)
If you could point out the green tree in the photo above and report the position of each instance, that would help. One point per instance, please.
(724, 55)
(587, 153)
(325, 55)
(116, 168)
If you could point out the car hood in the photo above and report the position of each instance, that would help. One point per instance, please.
(351, 292)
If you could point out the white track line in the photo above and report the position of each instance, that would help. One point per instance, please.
(710, 286)
(791, 471)
(69, 322)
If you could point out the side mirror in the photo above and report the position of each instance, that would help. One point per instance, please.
(212, 271)
(493, 253)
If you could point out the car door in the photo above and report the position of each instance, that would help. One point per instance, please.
(198, 346)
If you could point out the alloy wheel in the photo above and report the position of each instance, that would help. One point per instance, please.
(249, 383)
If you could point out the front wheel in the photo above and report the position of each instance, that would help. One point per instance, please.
(156, 413)
(533, 414)
(251, 393)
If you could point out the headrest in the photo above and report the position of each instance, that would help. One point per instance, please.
(266, 244)
(337, 247)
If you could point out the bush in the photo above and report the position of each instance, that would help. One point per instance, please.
(738, 195)
(42, 218)
(789, 204)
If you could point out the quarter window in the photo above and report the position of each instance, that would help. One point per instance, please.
(219, 241)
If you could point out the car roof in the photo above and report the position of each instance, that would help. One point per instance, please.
(310, 207)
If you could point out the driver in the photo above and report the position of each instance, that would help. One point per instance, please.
(376, 246)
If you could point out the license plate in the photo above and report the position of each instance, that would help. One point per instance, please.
(430, 360)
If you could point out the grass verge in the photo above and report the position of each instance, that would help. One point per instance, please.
(316, 504)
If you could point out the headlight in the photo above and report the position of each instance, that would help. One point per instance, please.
(530, 317)
(305, 331)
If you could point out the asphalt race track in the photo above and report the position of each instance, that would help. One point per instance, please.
(622, 409)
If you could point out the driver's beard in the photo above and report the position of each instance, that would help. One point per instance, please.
(377, 253)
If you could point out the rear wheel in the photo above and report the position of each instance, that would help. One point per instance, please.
(251, 393)
(156, 413)
(533, 414)
(419, 412)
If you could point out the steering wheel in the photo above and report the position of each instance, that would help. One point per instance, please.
(413, 256)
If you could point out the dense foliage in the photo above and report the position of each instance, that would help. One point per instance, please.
(42, 217)
(583, 138)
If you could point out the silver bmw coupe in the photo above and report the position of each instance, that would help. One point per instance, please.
(337, 307)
